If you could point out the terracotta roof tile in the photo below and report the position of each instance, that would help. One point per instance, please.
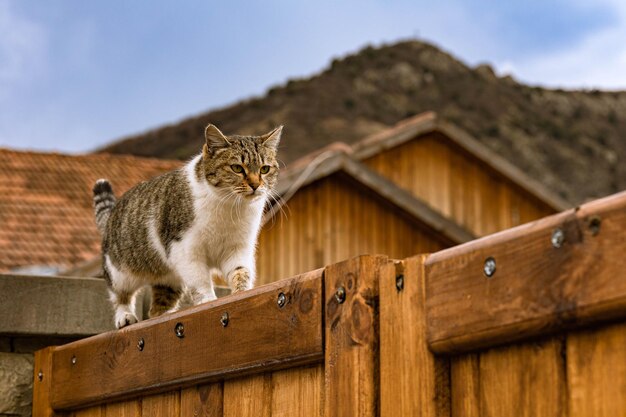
(46, 214)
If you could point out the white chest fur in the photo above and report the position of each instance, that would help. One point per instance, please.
(223, 227)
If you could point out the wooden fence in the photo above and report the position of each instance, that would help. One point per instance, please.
(526, 322)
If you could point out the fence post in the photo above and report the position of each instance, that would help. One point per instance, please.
(42, 382)
(351, 370)
(413, 382)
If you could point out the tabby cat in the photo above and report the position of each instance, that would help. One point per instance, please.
(178, 231)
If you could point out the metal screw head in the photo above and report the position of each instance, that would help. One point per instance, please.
(224, 319)
(140, 344)
(594, 225)
(340, 295)
(400, 282)
(558, 237)
(282, 300)
(40, 376)
(489, 268)
(73, 360)
(179, 330)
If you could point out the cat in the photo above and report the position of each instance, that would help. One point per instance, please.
(179, 231)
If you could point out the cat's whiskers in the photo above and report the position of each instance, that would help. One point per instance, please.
(280, 203)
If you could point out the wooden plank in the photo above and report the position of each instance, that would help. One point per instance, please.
(123, 409)
(523, 380)
(202, 401)
(297, 392)
(162, 405)
(248, 397)
(465, 386)
(537, 288)
(596, 372)
(412, 381)
(259, 336)
(88, 412)
(42, 381)
(351, 330)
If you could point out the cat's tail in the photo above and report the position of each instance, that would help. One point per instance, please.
(103, 203)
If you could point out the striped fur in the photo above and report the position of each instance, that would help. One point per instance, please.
(179, 231)
(103, 203)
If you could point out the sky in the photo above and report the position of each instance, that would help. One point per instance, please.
(77, 74)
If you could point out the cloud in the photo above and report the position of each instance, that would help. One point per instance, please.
(597, 61)
(22, 45)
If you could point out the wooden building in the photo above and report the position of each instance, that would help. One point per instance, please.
(418, 187)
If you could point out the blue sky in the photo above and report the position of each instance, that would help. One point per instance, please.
(75, 75)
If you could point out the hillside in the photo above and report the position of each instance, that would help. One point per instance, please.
(572, 141)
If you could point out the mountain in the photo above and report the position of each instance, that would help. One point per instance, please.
(572, 141)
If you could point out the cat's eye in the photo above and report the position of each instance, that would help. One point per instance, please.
(237, 168)
(265, 169)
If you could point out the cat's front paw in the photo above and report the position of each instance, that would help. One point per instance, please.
(240, 279)
(124, 319)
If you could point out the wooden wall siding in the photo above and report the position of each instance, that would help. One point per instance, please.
(462, 188)
(331, 220)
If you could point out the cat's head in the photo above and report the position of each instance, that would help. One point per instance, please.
(244, 166)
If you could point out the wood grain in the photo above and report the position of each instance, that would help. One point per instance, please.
(42, 406)
(596, 372)
(123, 409)
(537, 288)
(202, 401)
(525, 380)
(259, 336)
(298, 392)
(95, 411)
(465, 386)
(413, 382)
(162, 405)
(249, 396)
(455, 182)
(351, 370)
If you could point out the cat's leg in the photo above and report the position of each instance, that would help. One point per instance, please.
(240, 271)
(121, 290)
(198, 278)
(164, 298)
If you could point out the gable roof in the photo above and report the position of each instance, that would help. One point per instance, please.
(334, 159)
(301, 173)
(46, 214)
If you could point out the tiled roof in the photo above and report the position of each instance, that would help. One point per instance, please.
(46, 214)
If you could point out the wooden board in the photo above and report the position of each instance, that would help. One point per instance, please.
(596, 372)
(202, 401)
(162, 405)
(297, 392)
(525, 380)
(413, 382)
(123, 409)
(248, 397)
(260, 335)
(88, 412)
(351, 329)
(42, 380)
(537, 288)
(465, 386)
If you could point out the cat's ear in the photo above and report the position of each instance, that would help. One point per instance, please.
(215, 138)
(272, 139)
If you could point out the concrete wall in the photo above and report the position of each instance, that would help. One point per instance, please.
(36, 312)
(43, 311)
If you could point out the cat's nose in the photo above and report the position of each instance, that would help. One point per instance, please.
(254, 186)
